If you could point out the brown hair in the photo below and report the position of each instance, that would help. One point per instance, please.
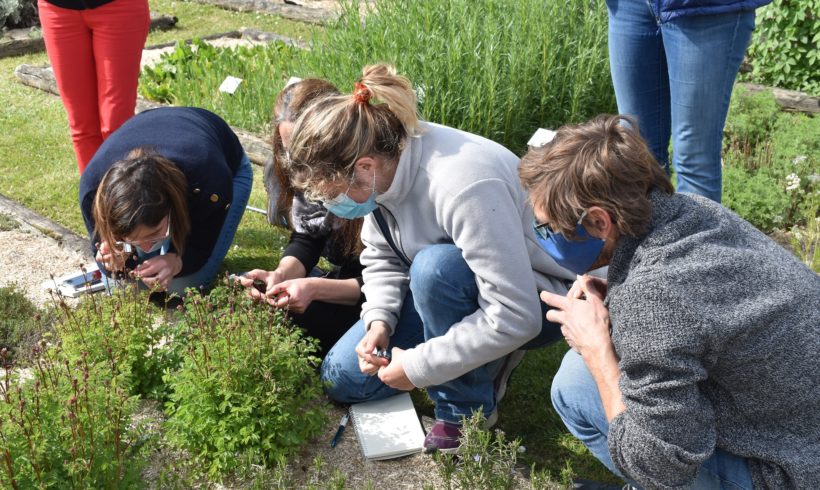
(335, 131)
(289, 105)
(141, 190)
(603, 162)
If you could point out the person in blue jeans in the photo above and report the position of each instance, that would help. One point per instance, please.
(694, 364)
(451, 265)
(163, 196)
(673, 66)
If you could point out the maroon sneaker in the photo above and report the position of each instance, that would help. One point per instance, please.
(443, 437)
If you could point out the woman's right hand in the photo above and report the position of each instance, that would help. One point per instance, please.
(270, 278)
(110, 260)
(377, 337)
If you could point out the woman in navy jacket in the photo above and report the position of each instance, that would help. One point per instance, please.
(163, 196)
(673, 65)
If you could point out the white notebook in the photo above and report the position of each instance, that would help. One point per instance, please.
(388, 428)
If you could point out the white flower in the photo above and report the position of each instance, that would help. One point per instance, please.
(792, 182)
(799, 159)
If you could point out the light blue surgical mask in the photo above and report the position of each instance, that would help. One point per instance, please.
(576, 255)
(346, 208)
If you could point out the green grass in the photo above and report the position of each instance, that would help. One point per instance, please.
(495, 68)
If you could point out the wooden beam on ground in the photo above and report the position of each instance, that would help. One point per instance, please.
(17, 42)
(65, 237)
(789, 100)
(42, 77)
(288, 11)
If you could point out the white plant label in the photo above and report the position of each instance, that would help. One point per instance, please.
(540, 138)
(230, 84)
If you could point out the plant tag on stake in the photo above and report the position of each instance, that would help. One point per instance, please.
(540, 138)
(230, 84)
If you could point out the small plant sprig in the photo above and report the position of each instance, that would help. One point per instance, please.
(247, 388)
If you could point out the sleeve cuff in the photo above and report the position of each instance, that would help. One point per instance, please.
(371, 316)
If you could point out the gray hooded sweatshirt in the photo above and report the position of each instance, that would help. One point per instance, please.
(455, 187)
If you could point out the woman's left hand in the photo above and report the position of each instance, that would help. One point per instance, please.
(296, 294)
(393, 374)
(158, 271)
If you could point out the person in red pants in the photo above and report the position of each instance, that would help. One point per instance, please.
(95, 48)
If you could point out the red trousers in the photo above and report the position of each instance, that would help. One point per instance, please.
(95, 54)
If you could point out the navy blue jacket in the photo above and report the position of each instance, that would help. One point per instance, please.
(201, 145)
(667, 10)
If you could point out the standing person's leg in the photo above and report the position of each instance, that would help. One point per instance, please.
(340, 368)
(120, 29)
(703, 54)
(69, 46)
(242, 183)
(637, 63)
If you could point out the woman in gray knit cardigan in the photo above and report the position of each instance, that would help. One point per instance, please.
(694, 365)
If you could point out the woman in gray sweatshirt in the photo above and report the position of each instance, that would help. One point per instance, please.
(452, 268)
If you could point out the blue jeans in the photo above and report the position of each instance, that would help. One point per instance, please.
(242, 183)
(677, 77)
(576, 399)
(443, 291)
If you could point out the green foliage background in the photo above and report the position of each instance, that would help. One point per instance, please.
(784, 49)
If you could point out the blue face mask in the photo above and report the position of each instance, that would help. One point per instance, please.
(574, 255)
(346, 208)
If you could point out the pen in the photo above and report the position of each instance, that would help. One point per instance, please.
(342, 424)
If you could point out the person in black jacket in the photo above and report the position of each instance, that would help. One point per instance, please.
(163, 196)
(323, 303)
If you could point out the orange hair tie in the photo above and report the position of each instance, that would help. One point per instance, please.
(361, 94)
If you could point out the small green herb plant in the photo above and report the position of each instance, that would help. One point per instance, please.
(247, 388)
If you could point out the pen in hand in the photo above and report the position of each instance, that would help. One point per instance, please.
(342, 424)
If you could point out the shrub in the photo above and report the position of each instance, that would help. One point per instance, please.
(123, 326)
(496, 68)
(247, 388)
(18, 321)
(66, 423)
(18, 13)
(784, 46)
(771, 161)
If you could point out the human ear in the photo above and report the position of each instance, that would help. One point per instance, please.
(598, 222)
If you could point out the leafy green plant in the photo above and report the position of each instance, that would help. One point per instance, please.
(8, 223)
(65, 422)
(784, 50)
(247, 388)
(125, 326)
(19, 327)
(770, 163)
(496, 68)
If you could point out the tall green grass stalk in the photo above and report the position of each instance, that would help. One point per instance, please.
(492, 67)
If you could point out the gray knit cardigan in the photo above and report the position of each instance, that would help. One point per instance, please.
(718, 333)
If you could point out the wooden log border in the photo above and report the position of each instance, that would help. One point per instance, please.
(308, 15)
(17, 42)
(62, 235)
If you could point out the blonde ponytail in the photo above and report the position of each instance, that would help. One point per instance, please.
(334, 132)
(395, 91)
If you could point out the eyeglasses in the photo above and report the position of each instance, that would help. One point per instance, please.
(156, 243)
(543, 230)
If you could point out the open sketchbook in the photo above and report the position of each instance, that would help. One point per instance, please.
(387, 428)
